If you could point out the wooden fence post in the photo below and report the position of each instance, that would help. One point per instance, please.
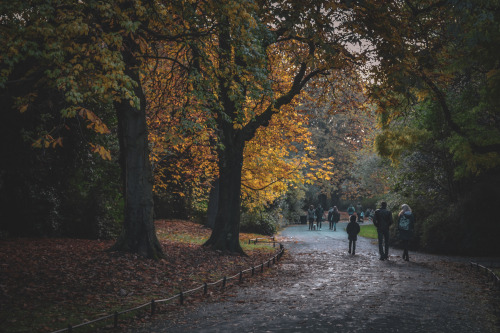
(181, 298)
(153, 305)
(205, 288)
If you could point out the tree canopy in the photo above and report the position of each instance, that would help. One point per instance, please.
(263, 96)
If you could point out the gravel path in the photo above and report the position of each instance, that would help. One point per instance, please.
(319, 287)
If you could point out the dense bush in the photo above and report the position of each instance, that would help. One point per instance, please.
(263, 223)
(468, 227)
(452, 216)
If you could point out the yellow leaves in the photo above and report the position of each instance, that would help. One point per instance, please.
(103, 152)
(47, 141)
(94, 121)
(422, 95)
(271, 163)
(24, 102)
(57, 142)
(311, 176)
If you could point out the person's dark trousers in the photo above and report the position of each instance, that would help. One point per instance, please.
(353, 245)
(319, 224)
(331, 225)
(383, 243)
(311, 221)
(405, 249)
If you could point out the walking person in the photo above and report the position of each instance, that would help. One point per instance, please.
(406, 223)
(359, 211)
(368, 214)
(350, 210)
(383, 220)
(311, 216)
(333, 218)
(352, 232)
(329, 218)
(319, 216)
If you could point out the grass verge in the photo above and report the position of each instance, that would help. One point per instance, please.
(368, 231)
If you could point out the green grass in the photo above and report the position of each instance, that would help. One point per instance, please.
(184, 238)
(368, 231)
(200, 239)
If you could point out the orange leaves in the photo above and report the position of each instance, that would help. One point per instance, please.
(47, 141)
(23, 108)
(103, 152)
(94, 121)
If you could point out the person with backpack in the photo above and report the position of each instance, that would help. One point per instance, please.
(350, 210)
(406, 223)
(352, 230)
(383, 220)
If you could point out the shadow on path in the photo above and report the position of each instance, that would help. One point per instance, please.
(319, 287)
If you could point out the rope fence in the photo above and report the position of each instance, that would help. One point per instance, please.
(490, 274)
(182, 294)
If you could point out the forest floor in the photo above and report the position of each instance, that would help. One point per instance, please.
(46, 284)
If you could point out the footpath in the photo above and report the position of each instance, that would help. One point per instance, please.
(319, 287)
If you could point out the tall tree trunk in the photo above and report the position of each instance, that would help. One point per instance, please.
(226, 232)
(213, 203)
(139, 234)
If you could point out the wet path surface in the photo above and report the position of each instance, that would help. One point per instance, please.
(319, 287)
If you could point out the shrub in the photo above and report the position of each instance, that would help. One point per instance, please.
(263, 223)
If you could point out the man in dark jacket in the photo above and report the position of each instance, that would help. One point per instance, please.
(319, 216)
(382, 220)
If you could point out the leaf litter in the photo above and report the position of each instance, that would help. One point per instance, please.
(45, 283)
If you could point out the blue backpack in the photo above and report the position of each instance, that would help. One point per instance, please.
(404, 222)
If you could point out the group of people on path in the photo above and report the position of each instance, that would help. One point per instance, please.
(382, 219)
(358, 211)
(316, 215)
